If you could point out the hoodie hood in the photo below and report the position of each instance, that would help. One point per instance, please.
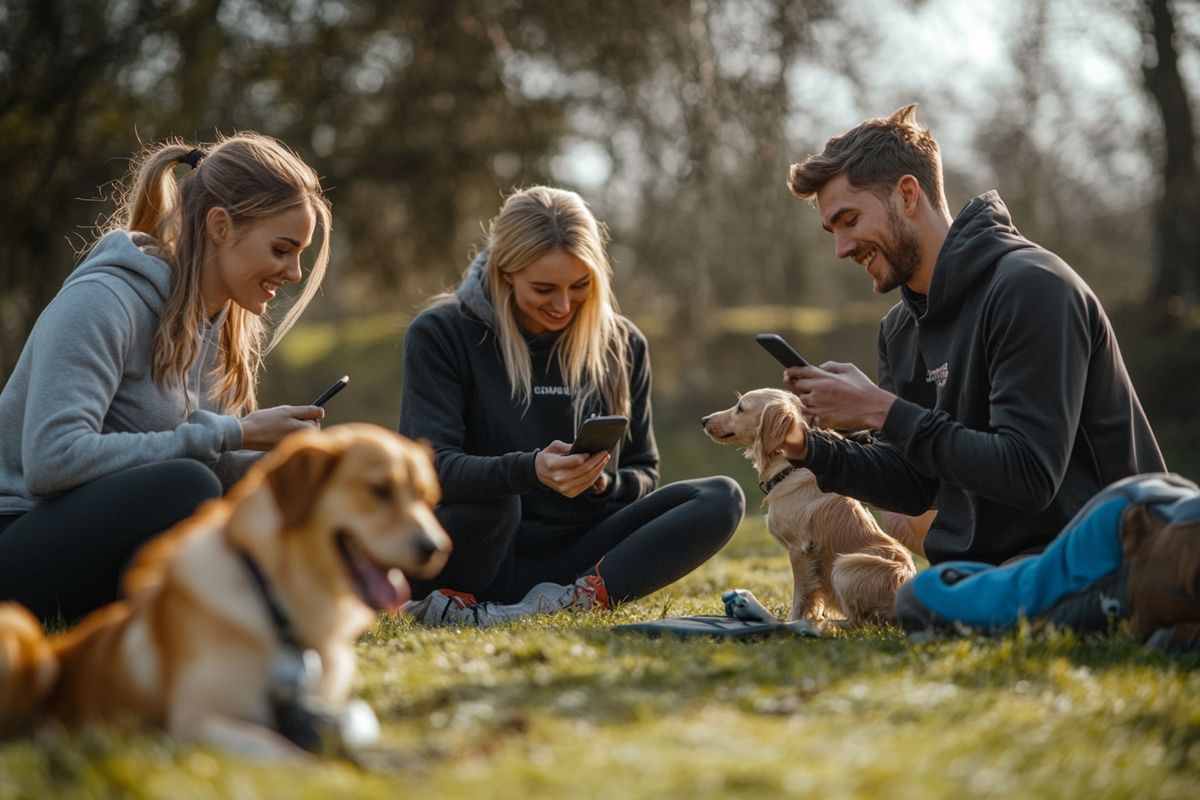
(120, 254)
(982, 233)
(473, 291)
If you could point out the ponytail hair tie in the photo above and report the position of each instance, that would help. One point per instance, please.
(193, 158)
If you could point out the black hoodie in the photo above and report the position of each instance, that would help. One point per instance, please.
(457, 395)
(1014, 405)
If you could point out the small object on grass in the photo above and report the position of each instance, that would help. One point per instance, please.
(360, 726)
(745, 617)
(742, 604)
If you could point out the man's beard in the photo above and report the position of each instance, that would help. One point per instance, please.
(903, 253)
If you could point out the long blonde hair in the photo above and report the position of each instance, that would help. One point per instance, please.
(592, 352)
(252, 177)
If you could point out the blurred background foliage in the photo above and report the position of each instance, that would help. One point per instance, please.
(677, 120)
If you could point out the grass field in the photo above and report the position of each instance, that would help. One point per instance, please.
(562, 707)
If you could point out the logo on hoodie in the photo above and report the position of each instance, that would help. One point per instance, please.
(562, 391)
(938, 375)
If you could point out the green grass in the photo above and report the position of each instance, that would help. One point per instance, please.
(562, 707)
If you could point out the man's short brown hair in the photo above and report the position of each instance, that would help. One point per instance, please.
(874, 156)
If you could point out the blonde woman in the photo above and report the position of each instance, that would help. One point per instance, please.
(140, 375)
(498, 377)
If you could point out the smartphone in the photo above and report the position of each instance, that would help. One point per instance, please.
(599, 433)
(784, 353)
(338, 385)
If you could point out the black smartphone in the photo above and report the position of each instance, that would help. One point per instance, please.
(784, 353)
(599, 433)
(338, 385)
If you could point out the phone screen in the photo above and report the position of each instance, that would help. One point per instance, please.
(784, 353)
(600, 433)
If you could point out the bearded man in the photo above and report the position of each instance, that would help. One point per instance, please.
(1003, 400)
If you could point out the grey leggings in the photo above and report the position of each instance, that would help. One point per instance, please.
(644, 546)
(65, 557)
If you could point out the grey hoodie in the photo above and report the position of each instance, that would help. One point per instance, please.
(81, 402)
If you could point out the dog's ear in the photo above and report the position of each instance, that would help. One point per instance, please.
(1138, 527)
(1164, 570)
(774, 425)
(296, 481)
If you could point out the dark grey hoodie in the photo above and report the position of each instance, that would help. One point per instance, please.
(1015, 405)
(81, 402)
(457, 395)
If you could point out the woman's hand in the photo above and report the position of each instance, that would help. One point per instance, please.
(569, 475)
(262, 429)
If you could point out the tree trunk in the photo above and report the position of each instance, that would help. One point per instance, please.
(1177, 217)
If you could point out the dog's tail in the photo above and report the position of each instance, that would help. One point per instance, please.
(866, 582)
(28, 668)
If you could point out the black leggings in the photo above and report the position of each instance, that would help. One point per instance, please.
(644, 546)
(65, 557)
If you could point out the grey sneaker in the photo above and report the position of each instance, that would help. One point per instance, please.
(549, 598)
(446, 607)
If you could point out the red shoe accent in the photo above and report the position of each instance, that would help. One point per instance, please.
(464, 599)
(595, 587)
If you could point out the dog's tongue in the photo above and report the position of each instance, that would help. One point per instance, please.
(384, 589)
(399, 593)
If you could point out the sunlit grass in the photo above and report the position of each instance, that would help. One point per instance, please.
(756, 319)
(310, 342)
(558, 707)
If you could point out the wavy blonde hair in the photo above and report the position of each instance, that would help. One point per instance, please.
(252, 177)
(592, 352)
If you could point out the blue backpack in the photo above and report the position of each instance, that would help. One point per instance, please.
(1131, 554)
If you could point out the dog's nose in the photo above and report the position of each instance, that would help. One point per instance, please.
(426, 548)
(704, 421)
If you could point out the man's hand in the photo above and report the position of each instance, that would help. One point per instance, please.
(839, 396)
(568, 474)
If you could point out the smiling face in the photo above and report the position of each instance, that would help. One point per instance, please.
(871, 231)
(248, 263)
(548, 293)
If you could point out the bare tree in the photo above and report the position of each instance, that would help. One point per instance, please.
(1177, 217)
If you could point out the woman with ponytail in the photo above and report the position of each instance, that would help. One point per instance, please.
(139, 378)
(498, 377)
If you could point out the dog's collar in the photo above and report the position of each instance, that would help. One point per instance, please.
(283, 625)
(771, 484)
(299, 716)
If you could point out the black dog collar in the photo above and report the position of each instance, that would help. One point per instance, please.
(771, 484)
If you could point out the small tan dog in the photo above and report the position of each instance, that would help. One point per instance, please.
(298, 558)
(842, 561)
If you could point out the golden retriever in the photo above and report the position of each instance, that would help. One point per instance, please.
(301, 555)
(842, 561)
